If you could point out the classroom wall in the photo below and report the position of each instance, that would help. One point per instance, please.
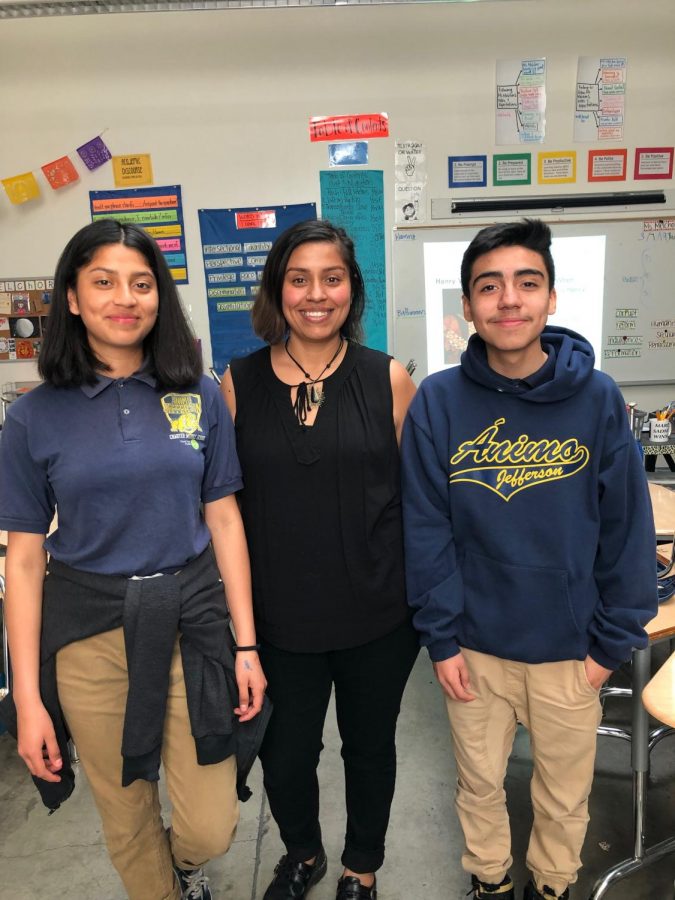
(222, 99)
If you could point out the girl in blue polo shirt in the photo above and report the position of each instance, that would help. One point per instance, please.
(135, 449)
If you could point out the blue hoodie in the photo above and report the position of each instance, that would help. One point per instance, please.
(528, 526)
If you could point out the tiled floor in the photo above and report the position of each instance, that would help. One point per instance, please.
(64, 856)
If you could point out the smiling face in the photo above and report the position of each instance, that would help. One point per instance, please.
(316, 292)
(116, 297)
(509, 304)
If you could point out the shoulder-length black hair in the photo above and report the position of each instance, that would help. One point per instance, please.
(170, 350)
(267, 316)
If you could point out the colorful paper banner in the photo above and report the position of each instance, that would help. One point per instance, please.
(94, 153)
(60, 173)
(21, 188)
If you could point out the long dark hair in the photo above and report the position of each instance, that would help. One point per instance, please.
(66, 359)
(267, 316)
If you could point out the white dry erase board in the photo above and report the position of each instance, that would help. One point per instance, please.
(615, 282)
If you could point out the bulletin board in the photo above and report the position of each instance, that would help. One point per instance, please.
(633, 300)
(24, 307)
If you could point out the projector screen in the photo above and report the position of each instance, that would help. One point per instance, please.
(579, 267)
(615, 285)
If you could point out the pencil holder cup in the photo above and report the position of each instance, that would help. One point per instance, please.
(659, 430)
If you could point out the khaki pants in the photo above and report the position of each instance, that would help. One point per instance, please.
(92, 683)
(561, 710)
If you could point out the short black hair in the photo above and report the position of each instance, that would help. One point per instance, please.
(267, 316)
(170, 349)
(532, 234)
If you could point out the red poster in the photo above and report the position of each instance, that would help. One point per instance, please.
(343, 128)
(258, 218)
(653, 162)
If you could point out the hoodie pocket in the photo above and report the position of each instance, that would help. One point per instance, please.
(518, 612)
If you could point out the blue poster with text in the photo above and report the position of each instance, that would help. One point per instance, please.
(235, 244)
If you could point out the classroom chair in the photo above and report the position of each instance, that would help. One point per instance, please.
(642, 738)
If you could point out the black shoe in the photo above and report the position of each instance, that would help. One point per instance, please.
(531, 893)
(194, 884)
(294, 879)
(350, 888)
(483, 890)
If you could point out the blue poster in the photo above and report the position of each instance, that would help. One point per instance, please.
(355, 201)
(158, 210)
(235, 244)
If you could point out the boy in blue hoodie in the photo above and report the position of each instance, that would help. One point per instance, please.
(529, 552)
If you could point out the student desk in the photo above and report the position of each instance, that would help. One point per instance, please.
(663, 504)
(661, 627)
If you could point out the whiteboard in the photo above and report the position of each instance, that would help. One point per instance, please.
(615, 281)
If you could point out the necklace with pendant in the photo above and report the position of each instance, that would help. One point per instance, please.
(308, 394)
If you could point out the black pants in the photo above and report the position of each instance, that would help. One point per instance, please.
(369, 682)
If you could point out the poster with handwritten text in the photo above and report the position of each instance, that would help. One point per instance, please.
(521, 101)
(355, 201)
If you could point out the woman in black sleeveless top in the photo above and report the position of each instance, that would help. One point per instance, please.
(317, 419)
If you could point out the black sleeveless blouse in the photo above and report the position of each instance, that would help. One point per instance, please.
(321, 505)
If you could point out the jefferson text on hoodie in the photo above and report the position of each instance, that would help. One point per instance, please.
(528, 526)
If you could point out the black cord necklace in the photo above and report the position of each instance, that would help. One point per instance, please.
(304, 399)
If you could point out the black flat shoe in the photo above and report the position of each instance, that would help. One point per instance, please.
(350, 888)
(531, 893)
(294, 879)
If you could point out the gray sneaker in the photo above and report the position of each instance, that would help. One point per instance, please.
(194, 883)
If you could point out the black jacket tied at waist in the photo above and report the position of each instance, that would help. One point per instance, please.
(152, 612)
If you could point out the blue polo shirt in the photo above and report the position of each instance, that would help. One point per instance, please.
(126, 465)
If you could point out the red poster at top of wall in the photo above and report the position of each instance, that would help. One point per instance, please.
(258, 218)
(343, 128)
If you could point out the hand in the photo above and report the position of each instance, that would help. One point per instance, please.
(251, 682)
(596, 674)
(37, 743)
(453, 677)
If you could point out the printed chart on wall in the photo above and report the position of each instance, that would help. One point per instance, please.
(614, 281)
(355, 201)
(235, 244)
(159, 210)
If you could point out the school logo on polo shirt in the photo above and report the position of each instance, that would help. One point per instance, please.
(184, 414)
(508, 467)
